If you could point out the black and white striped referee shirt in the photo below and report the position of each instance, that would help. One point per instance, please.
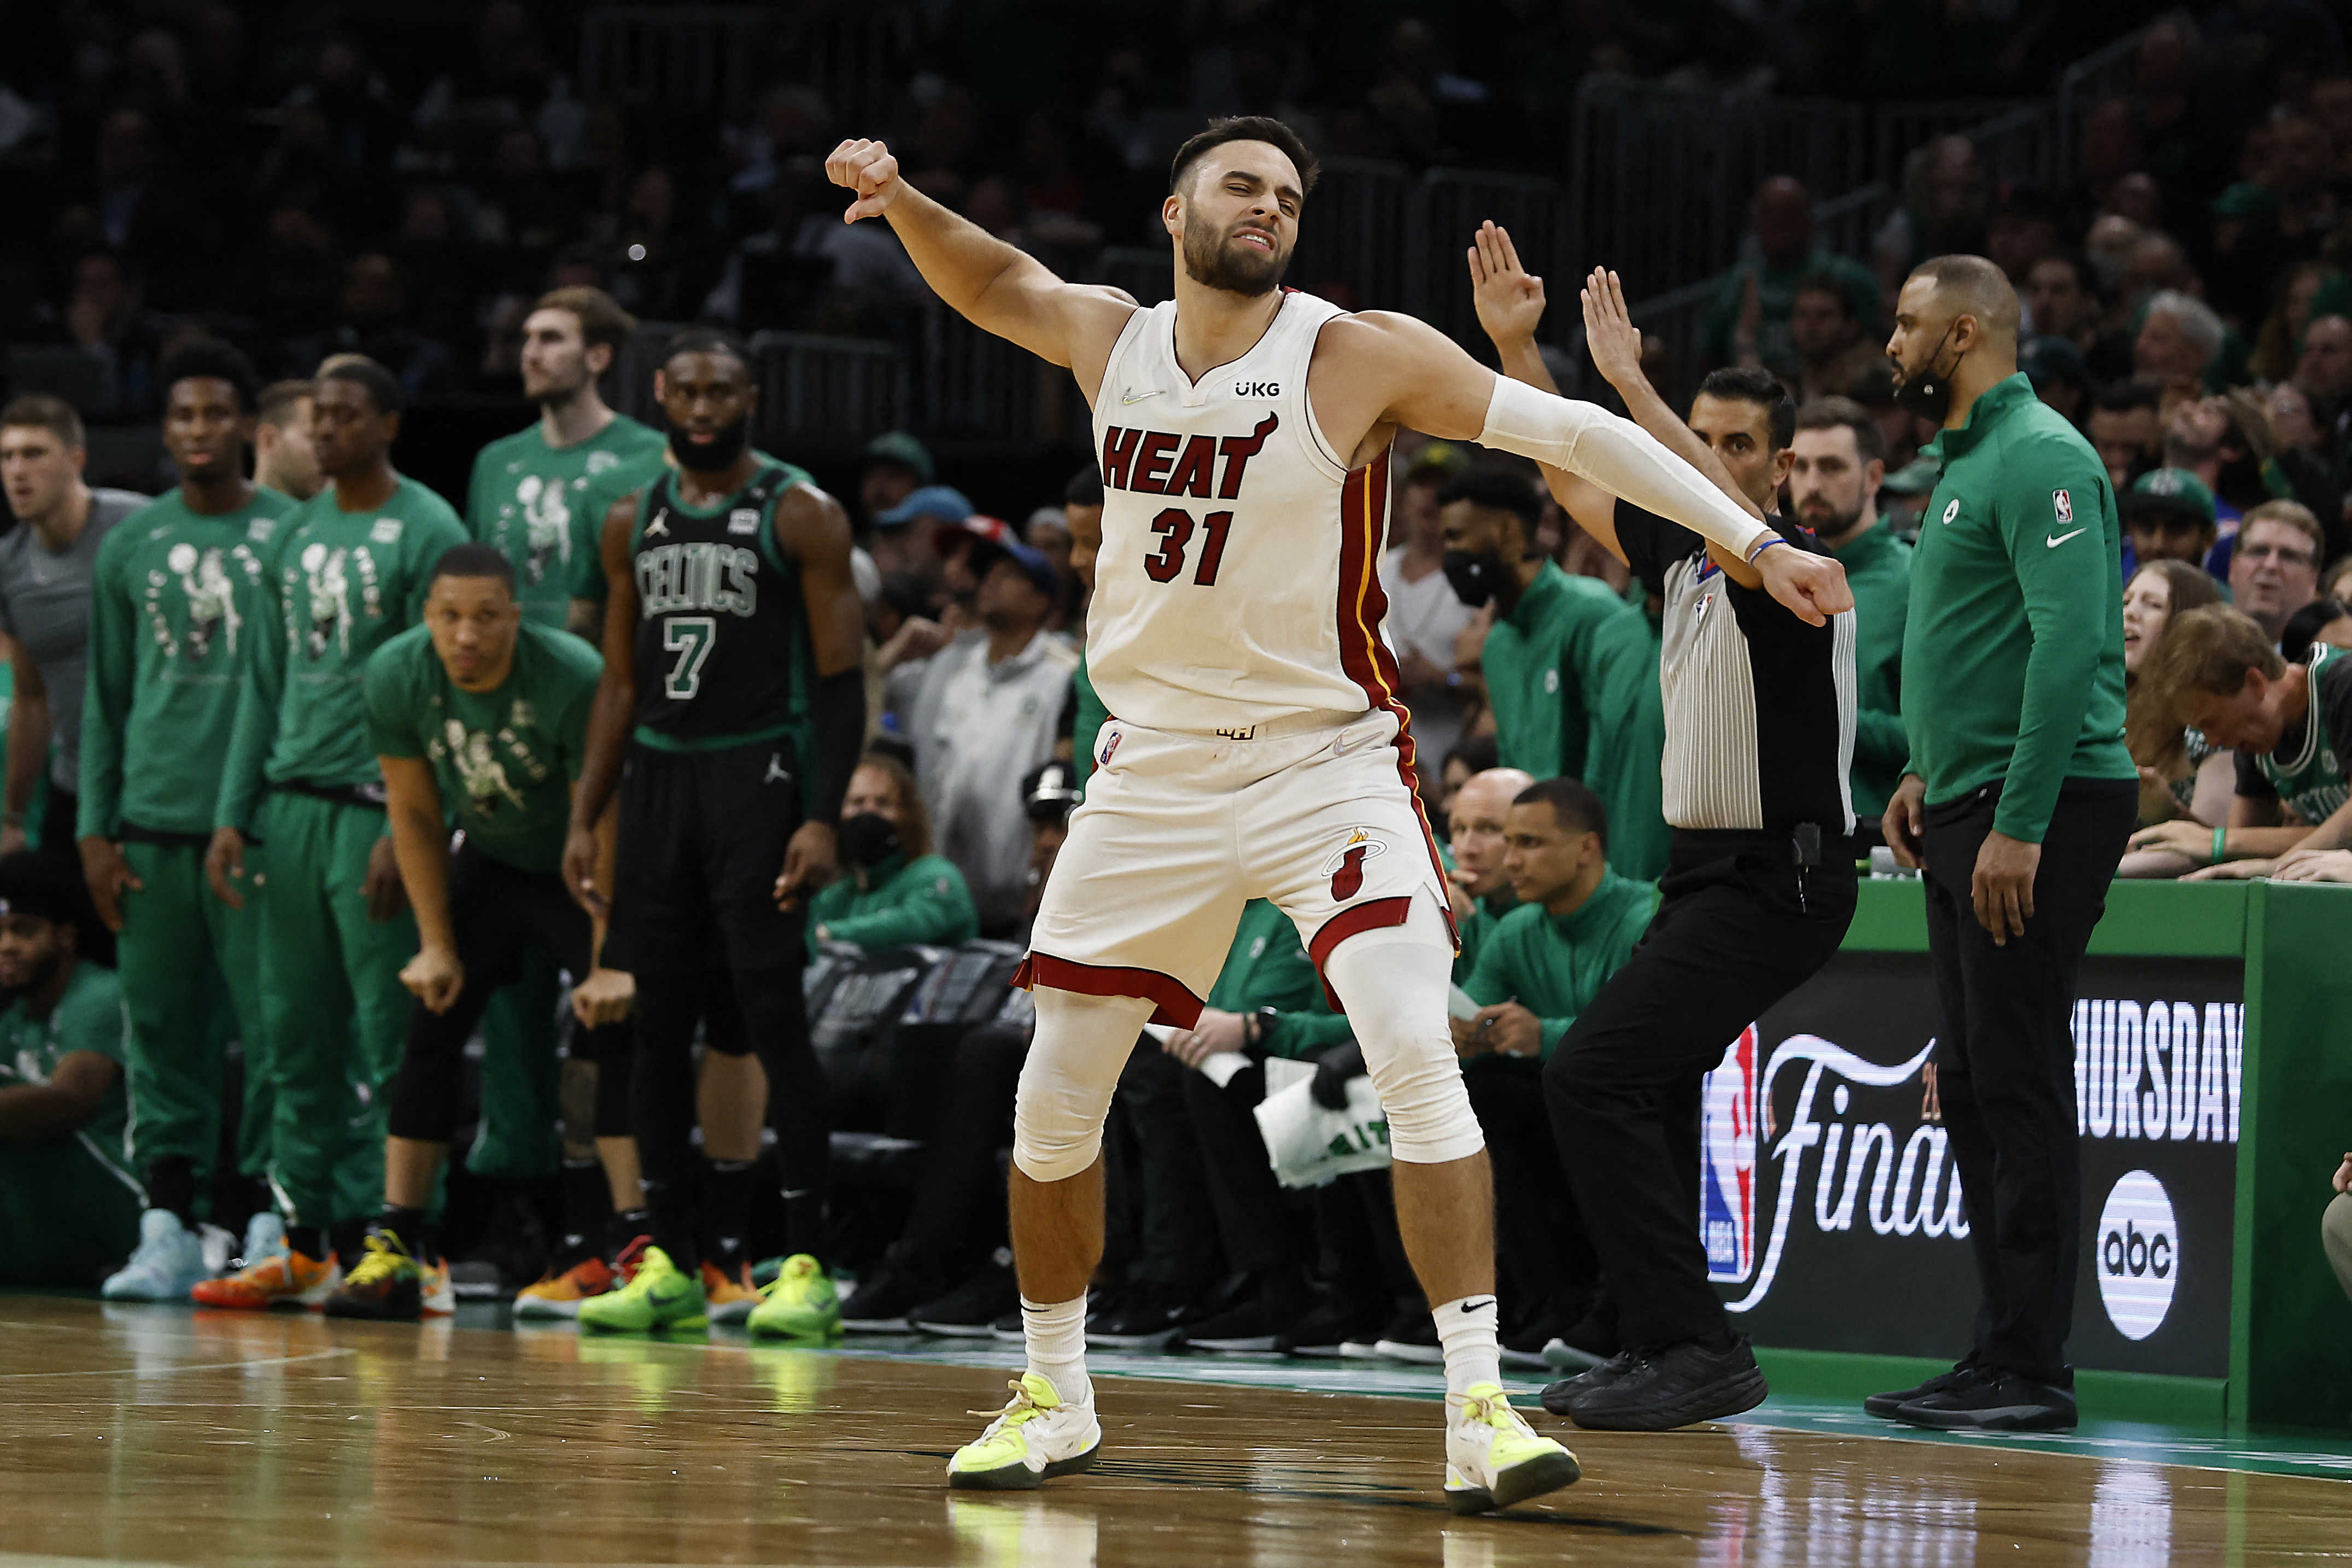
(1759, 706)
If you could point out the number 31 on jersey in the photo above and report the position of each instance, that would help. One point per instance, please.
(1175, 528)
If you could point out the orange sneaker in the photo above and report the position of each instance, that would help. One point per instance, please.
(560, 1295)
(281, 1279)
(732, 1297)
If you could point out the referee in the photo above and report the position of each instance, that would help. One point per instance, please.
(1757, 892)
(2018, 798)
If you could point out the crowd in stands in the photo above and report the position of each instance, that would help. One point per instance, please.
(2188, 300)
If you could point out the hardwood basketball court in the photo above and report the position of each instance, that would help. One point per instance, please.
(153, 1435)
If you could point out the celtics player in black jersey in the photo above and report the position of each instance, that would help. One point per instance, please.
(730, 717)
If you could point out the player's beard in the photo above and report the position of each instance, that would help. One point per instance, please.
(719, 453)
(1215, 261)
(1828, 522)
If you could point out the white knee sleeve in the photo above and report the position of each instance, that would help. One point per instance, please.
(1393, 983)
(1073, 1063)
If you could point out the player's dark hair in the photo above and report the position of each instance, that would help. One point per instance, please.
(601, 319)
(44, 886)
(1476, 752)
(382, 388)
(1835, 413)
(2303, 626)
(1573, 805)
(707, 341)
(42, 411)
(1744, 383)
(1084, 488)
(1830, 283)
(209, 359)
(473, 559)
(1245, 128)
(1496, 492)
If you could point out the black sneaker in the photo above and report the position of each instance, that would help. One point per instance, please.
(881, 1301)
(1151, 1319)
(1994, 1401)
(512, 1253)
(1560, 1397)
(1412, 1336)
(1248, 1329)
(1886, 1405)
(1328, 1329)
(971, 1309)
(1677, 1386)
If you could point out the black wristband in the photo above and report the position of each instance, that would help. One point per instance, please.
(839, 711)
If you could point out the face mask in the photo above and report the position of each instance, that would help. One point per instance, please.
(1928, 392)
(726, 445)
(868, 839)
(1476, 577)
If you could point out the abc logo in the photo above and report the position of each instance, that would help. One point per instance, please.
(2139, 1256)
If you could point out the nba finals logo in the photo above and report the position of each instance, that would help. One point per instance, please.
(1726, 1195)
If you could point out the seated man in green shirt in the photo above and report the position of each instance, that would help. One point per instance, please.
(70, 1206)
(1479, 886)
(1576, 922)
(897, 891)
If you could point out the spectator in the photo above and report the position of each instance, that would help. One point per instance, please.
(1471, 755)
(1570, 667)
(2180, 340)
(45, 566)
(2167, 516)
(985, 713)
(1425, 615)
(1834, 472)
(893, 466)
(2321, 621)
(2275, 570)
(2061, 377)
(2282, 330)
(106, 317)
(1575, 924)
(2125, 429)
(2291, 725)
(2060, 303)
(372, 322)
(1827, 340)
(905, 534)
(2180, 773)
(1754, 298)
(69, 1200)
(1943, 210)
(2338, 582)
(1478, 884)
(897, 891)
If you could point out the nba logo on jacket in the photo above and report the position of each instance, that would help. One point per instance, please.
(1726, 1176)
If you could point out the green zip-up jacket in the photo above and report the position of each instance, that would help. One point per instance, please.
(1554, 965)
(175, 600)
(2015, 639)
(1878, 569)
(919, 901)
(1573, 675)
(1486, 915)
(541, 506)
(1267, 967)
(343, 584)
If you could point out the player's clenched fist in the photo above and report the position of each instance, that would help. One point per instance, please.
(867, 168)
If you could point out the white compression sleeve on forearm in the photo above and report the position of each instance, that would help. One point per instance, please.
(1619, 456)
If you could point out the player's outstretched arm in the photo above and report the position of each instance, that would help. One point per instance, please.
(997, 287)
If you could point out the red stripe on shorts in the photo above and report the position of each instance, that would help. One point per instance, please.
(1173, 1002)
(1372, 915)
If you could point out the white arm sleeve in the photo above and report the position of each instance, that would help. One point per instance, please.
(1619, 456)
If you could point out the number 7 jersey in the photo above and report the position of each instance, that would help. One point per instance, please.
(1238, 580)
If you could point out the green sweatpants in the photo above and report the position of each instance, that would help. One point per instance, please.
(334, 1009)
(185, 957)
(67, 1216)
(520, 1138)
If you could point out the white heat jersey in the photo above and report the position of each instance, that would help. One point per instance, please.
(1238, 578)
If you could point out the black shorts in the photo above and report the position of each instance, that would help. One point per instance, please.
(703, 835)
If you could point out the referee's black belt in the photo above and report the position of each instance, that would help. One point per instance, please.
(1806, 842)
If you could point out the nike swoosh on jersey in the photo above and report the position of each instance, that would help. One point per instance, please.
(2055, 541)
(1127, 397)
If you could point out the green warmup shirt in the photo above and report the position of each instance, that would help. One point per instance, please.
(176, 598)
(920, 901)
(345, 585)
(1554, 965)
(1573, 677)
(538, 505)
(1878, 569)
(631, 477)
(2015, 636)
(87, 1017)
(2305, 769)
(505, 759)
(1267, 967)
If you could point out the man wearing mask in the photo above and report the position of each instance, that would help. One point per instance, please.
(46, 563)
(1571, 669)
(1833, 477)
(896, 891)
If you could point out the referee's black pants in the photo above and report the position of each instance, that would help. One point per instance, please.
(1740, 925)
(2005, 1061)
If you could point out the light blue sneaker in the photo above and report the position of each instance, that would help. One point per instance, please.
(168, 1264)
(265, 1236)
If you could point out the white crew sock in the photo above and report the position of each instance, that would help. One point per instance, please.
(1466, 1330)
(1056, 1338)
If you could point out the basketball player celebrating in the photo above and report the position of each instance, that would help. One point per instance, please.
(1256, 747)
(733, 644)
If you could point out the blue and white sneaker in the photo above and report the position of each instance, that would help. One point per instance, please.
(265, 1236)
(167, 1266)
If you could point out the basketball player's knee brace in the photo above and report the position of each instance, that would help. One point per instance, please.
(1066, 1082)
(1393, 983)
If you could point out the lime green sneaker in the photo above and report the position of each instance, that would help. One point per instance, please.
(657, 1296)
(801, 1303)
(1033, 1438)
(1493, 1458)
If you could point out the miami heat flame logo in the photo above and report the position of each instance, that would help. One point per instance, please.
(1345, 865)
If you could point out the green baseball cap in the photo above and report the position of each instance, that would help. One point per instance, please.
(897, 447)
(2182, 489)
